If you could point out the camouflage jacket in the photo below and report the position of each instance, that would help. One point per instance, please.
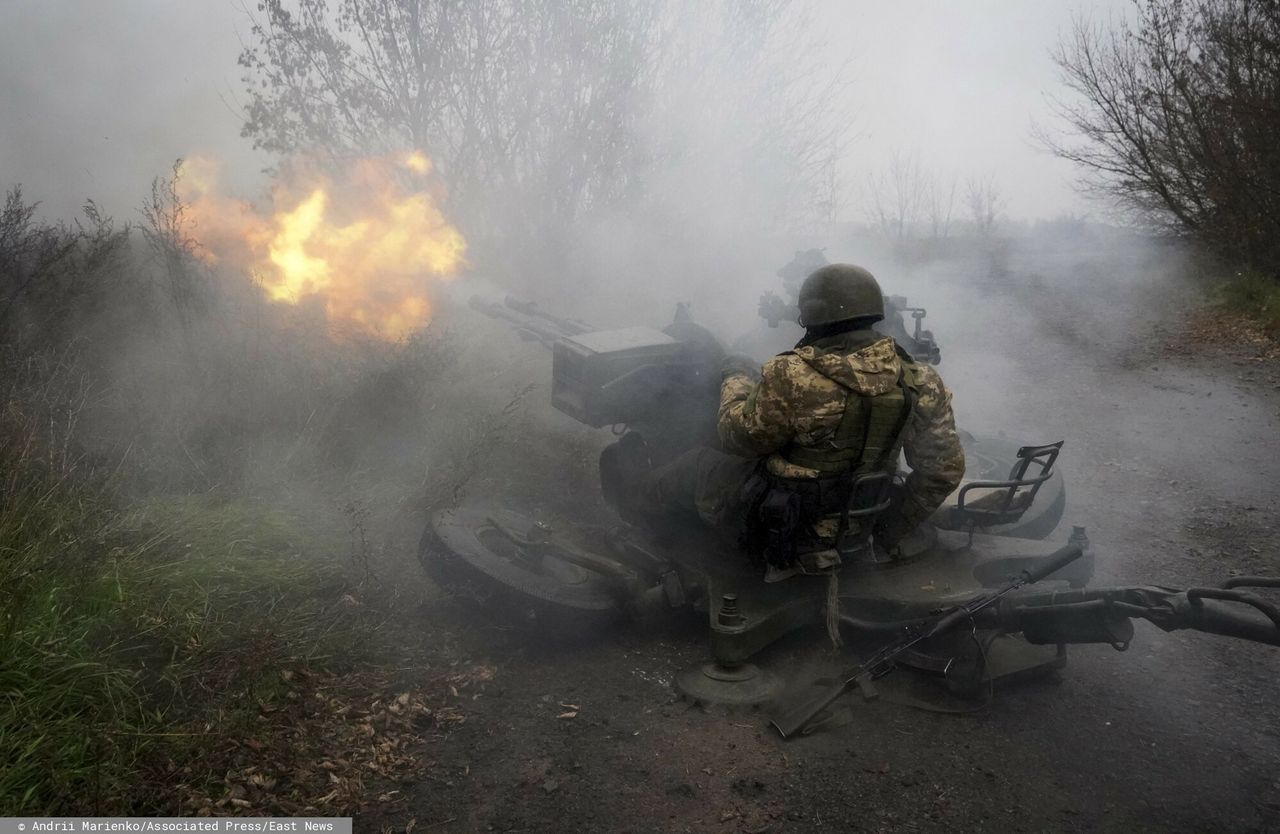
(800, 399)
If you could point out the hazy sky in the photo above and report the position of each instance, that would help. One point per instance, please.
(960, 84)
(99, 96)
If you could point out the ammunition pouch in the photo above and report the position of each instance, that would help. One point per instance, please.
(776, 525)
(782, 513)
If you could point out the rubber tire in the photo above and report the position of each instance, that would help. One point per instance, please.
(454, 554)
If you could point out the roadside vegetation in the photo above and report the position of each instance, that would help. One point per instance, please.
(193, 614)
(194, 482)
(1173, 118)
(1253, 295)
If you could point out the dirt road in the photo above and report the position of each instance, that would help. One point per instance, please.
(1171, 463)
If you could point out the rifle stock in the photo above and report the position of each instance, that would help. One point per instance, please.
(799, 719)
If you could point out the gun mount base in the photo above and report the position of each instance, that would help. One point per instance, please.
(710, 684)
(970, 664)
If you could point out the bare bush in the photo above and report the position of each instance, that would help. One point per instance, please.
(168, 234)
(1176, 118)
(54, 276)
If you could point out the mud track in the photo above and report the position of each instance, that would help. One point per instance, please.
(1171, 457)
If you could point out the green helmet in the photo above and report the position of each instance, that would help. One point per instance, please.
(839, 292)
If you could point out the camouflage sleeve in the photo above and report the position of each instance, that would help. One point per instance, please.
(755, 418)
(932, 449)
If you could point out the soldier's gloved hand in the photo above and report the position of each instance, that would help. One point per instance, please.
(735, 364)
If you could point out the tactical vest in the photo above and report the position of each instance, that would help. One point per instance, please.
(869, 431)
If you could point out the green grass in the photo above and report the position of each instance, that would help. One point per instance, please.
(131, 636)
(72, 726)
(132, 631)
(57, 695)
(1252, 294)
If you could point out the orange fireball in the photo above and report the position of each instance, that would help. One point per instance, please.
(367, 244)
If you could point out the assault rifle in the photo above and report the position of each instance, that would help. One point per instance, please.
(797, 719)
(1061, 617)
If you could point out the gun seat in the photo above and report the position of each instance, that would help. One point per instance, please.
(1004, 502)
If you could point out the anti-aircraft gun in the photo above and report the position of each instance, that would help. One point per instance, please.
(952, 605)
(629, 376)
(665, 382)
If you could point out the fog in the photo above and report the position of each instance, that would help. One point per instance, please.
(278, 363)
(100, 97)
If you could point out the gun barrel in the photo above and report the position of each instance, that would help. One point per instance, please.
(529, 328)
(570, 327)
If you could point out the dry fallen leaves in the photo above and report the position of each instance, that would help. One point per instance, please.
(1221, 330)
(313, 752)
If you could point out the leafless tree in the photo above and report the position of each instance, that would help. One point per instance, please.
(982, 198)
(876, 202)
(537, 112)
(1176, 116)
(907, 198)
(832, 199)
(899, 195)
(940, 201)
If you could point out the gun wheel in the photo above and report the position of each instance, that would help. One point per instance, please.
(472, 554)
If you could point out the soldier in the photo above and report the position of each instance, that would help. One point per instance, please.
(842, 403)
(775, 309)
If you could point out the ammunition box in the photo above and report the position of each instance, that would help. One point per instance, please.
(608, 377)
